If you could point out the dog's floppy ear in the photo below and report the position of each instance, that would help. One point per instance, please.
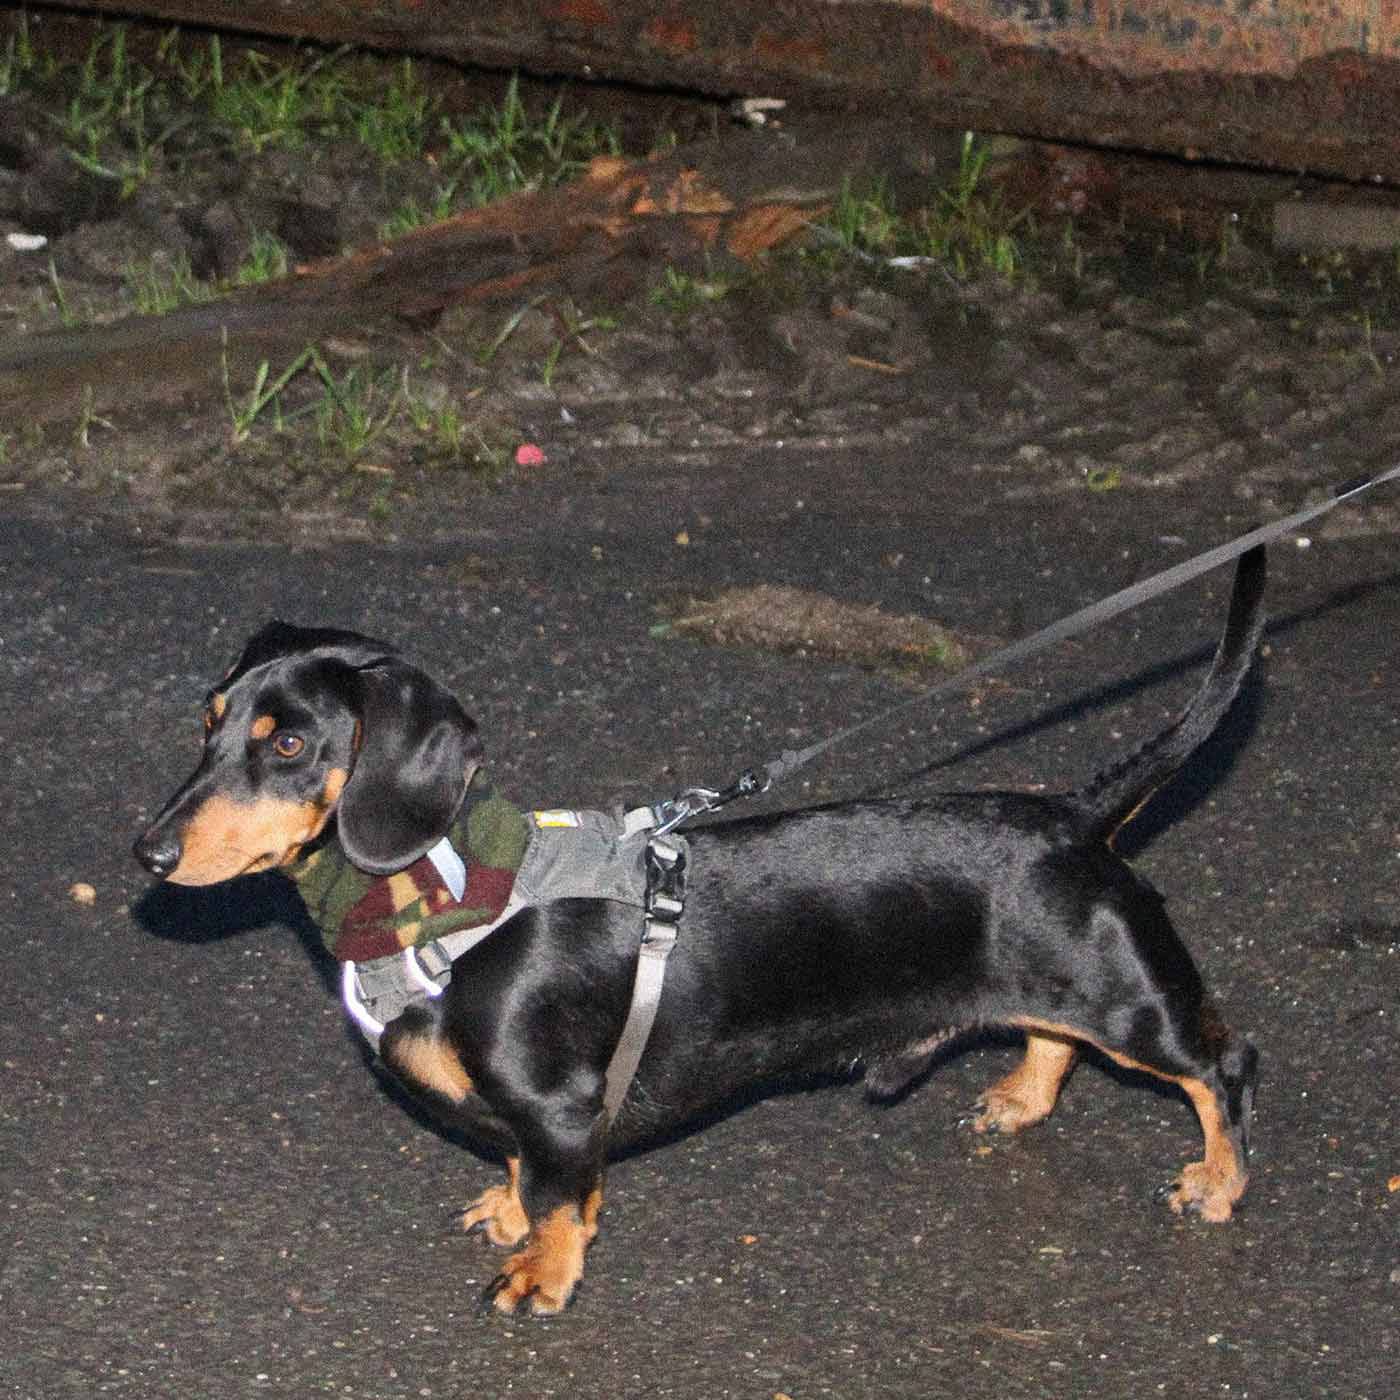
(417, 751)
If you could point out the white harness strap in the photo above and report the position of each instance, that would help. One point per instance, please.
(451, 867)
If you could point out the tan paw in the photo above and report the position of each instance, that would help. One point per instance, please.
(997, 1112)
(498, 1209)
(547, 1270)
(1028, 1093)
(1207, 1193)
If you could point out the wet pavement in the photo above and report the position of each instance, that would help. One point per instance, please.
(206, 1192)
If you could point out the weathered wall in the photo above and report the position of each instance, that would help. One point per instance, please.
(1292, 84)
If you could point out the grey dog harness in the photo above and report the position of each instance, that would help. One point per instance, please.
(571, 855)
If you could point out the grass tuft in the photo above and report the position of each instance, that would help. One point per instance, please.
(969, 226)
(502, 150)
(681, 295)
(966, 229)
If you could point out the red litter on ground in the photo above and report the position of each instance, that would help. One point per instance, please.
(528, 455)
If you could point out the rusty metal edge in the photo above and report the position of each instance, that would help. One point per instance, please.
(1328, 116)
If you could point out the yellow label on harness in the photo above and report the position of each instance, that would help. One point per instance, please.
(556, 817)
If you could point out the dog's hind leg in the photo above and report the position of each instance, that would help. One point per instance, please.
(1221, 1091)
(1029, 1092)
(1224, 1102)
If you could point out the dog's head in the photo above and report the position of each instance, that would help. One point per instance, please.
(308, 724)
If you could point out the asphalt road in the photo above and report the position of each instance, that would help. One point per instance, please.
(206, 1193)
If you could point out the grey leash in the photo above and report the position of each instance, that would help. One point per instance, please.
(698, 800)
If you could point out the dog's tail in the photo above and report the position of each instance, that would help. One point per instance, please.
(1111, 799)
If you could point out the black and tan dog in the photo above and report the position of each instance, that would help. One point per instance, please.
(857, 931)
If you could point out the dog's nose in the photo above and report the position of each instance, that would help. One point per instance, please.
(158, 851)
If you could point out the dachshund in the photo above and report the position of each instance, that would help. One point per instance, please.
(869, 931)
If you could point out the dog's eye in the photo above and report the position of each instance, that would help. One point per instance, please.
(285, 744)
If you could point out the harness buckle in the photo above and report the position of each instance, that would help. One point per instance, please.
(416, 972)
(664, 899)
(416, 964)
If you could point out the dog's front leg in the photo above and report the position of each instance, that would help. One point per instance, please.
(554, 1138)
(557, 1184)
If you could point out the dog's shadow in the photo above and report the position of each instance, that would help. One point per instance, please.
(1207, 767)
(1203, 772)
(194, 915)
(209, 914)
(201, 914)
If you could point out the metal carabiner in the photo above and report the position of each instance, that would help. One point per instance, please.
(684, 805)
(694, 801)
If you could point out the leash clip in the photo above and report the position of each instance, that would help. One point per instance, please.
(695, 801)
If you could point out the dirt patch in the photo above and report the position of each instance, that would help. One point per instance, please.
(1047, 322)
(799, 622)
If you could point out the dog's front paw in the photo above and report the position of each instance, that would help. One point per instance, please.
(499, 1211)
(1210, 1194)
(548, 1269)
